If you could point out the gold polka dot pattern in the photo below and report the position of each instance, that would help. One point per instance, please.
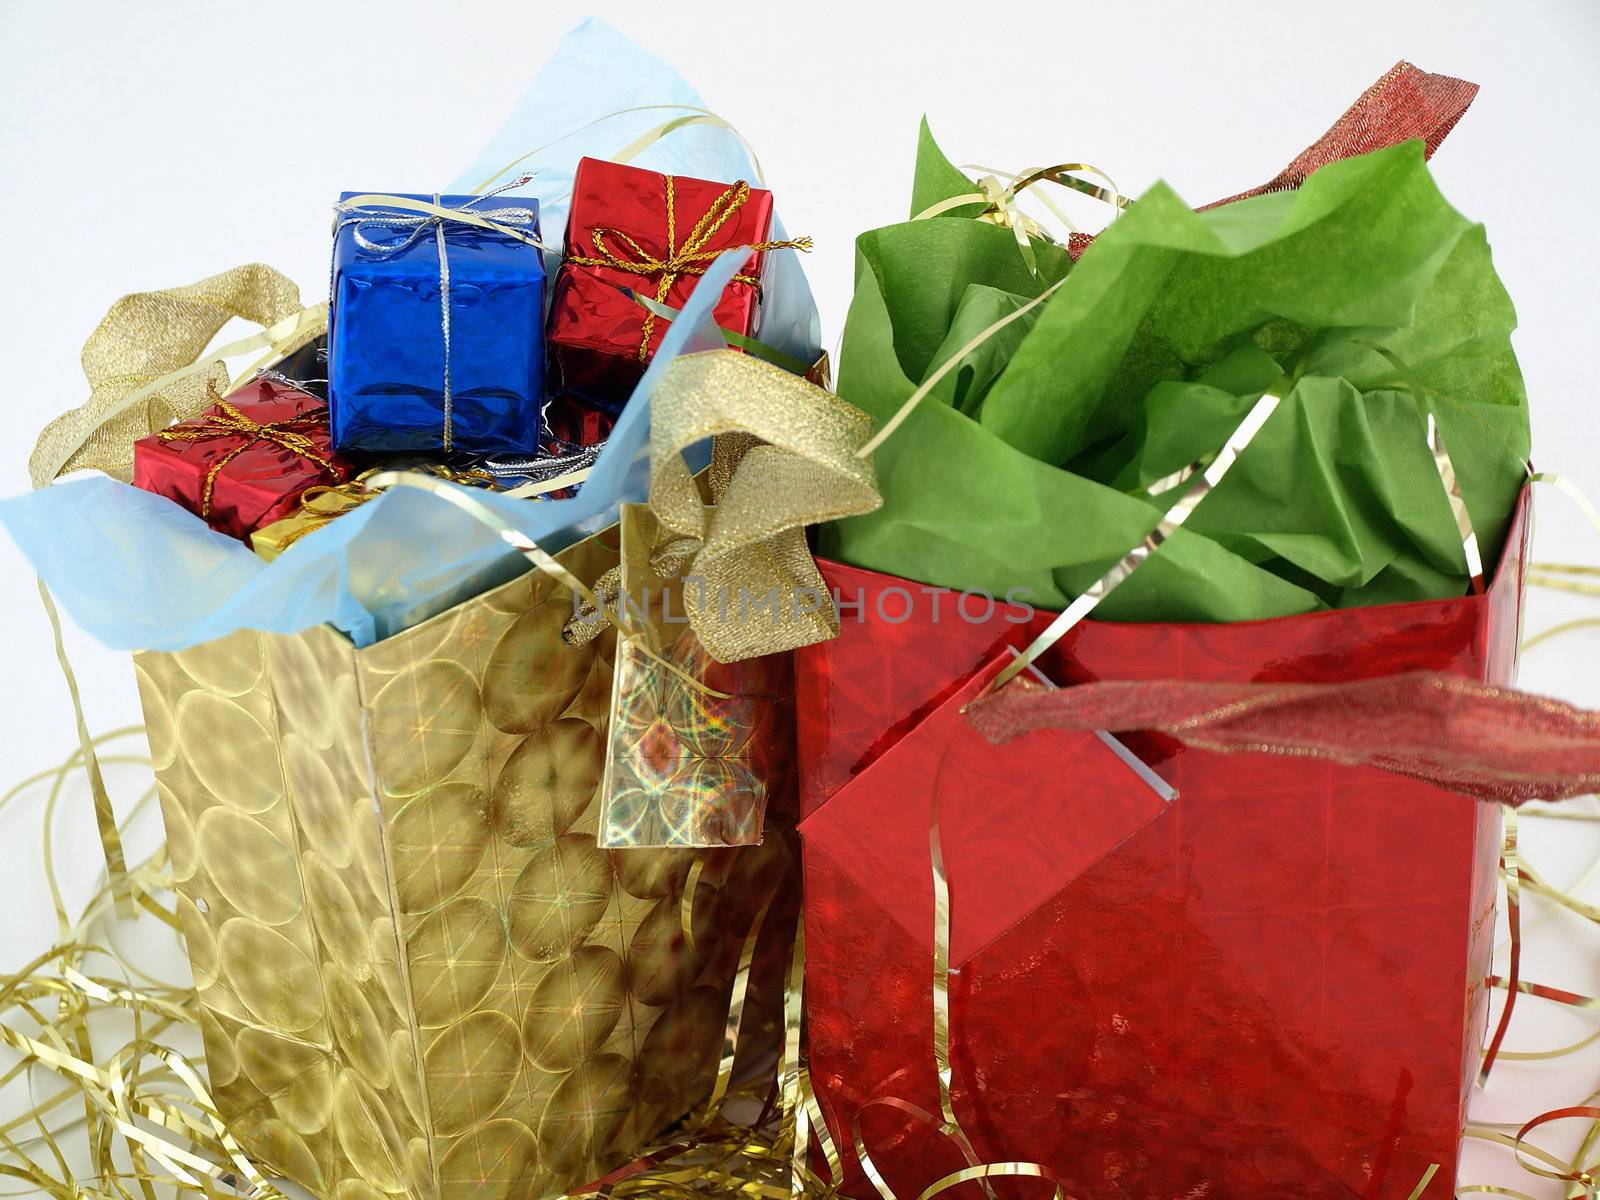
(419, 975)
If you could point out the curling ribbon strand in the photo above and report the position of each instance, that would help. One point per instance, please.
(1513, 878)
(1000, 202)
(950, 364)
(689, 115)
(1172, 520)
(947, 1125)
(1458, 505)
(105, 815)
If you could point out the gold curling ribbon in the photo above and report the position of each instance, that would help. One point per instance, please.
(161, 1112)
(1512, 872)
(1458, 505)
(947, 1125)
(1000, 201)
(1171, 521)
(689, 115)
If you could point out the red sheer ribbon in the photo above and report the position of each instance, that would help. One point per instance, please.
(1406, 103)
(1489, 743)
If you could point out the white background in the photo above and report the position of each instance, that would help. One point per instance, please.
(147, 145)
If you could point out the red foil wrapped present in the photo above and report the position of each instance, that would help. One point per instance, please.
(1271, 985)
(655, 234)
(571, 424)
(244, 462)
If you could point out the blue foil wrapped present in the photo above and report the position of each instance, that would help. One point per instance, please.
(436, 334)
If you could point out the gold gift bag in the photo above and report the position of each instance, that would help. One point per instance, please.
(418, 974)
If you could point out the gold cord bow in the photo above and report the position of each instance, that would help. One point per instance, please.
(693, 257)
(289, 434)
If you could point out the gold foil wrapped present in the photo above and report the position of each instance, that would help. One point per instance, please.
(418, 973)
(324, 502)
(318, 506)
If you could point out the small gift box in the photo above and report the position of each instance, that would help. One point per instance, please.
(632, 230)
(245, 461)
(572, 422)
(435, 332)
(318, 505)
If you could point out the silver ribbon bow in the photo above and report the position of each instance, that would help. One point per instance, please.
(413, 227)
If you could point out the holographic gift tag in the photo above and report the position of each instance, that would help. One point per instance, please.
(695, 747)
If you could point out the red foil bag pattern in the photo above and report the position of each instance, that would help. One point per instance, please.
(1273, 986)
(595, 331)
(258, 461)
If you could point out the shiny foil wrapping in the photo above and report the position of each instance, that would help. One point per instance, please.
(306, 368)
(386, 340)
(417, 973)
(595, 329)
(1273, 985)
(687, 768)
(695, 747)
(572, 422)
(261, 480)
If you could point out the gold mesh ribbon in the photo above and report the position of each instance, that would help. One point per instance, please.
(785, 456)
(147, 367)
(692, 257)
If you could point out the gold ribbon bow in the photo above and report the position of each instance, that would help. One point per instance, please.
(784, 457)
(230, 422)
(693, 257)
(1000, 207)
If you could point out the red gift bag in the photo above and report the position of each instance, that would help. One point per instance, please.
(1271, 985)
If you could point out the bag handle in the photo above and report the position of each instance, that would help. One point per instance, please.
(1406, 103)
